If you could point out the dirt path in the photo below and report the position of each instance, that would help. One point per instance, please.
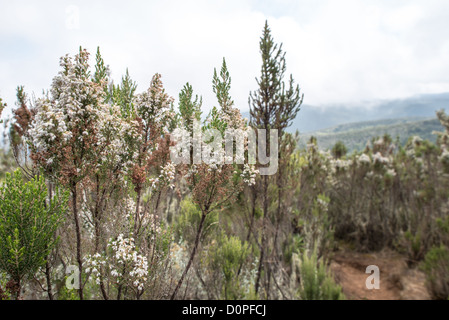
(397, 281)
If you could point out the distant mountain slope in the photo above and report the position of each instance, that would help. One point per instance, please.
(313, 118)
(372, 124)
(356, 135)
(357, 124)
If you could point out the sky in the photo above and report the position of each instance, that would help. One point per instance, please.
(340, 52)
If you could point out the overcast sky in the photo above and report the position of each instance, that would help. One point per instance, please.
(343, 51)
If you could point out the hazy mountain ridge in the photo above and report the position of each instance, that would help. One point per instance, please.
(355, 125)
(356, 135)
(313, 118)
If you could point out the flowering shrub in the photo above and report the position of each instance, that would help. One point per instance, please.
(122, 264)
(65, 130)
(149, 226)
(249, 174)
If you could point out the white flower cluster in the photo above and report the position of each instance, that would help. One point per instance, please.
(168, 172)
(130, 207)
(391, 172)
(380, 159)
(323, 204)
(249, 174)
(379, 142)
(196, 144)
(93, 264)
(77, 106)
(386, 165)
(126, 262)
(213, 155)
(340, 164)
(126, 255)
(153, 105)
(364, 158)
(416, 140)
(410, 148)
(444, 157)
(76, 99)
(232, 117)
(114, 134)
(165, 178)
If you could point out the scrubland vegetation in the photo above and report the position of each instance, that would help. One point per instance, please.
(88, 185)
(355, 136)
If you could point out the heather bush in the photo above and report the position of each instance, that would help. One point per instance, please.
(148, 221)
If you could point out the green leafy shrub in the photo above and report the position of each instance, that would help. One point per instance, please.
(316, 281)
(339, 150)
(186, 224)
(414, 247)
(436, 268)
(4, 293)
(228, 255)
(7, 162)
(27, 225)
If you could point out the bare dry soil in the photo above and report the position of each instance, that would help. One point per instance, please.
(397, 280)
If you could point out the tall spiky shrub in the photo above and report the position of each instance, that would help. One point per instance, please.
(274, 105)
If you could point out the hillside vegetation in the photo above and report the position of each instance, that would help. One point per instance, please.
(119, 194)
(357, 135)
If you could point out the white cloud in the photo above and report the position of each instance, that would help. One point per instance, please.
(339, 51)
